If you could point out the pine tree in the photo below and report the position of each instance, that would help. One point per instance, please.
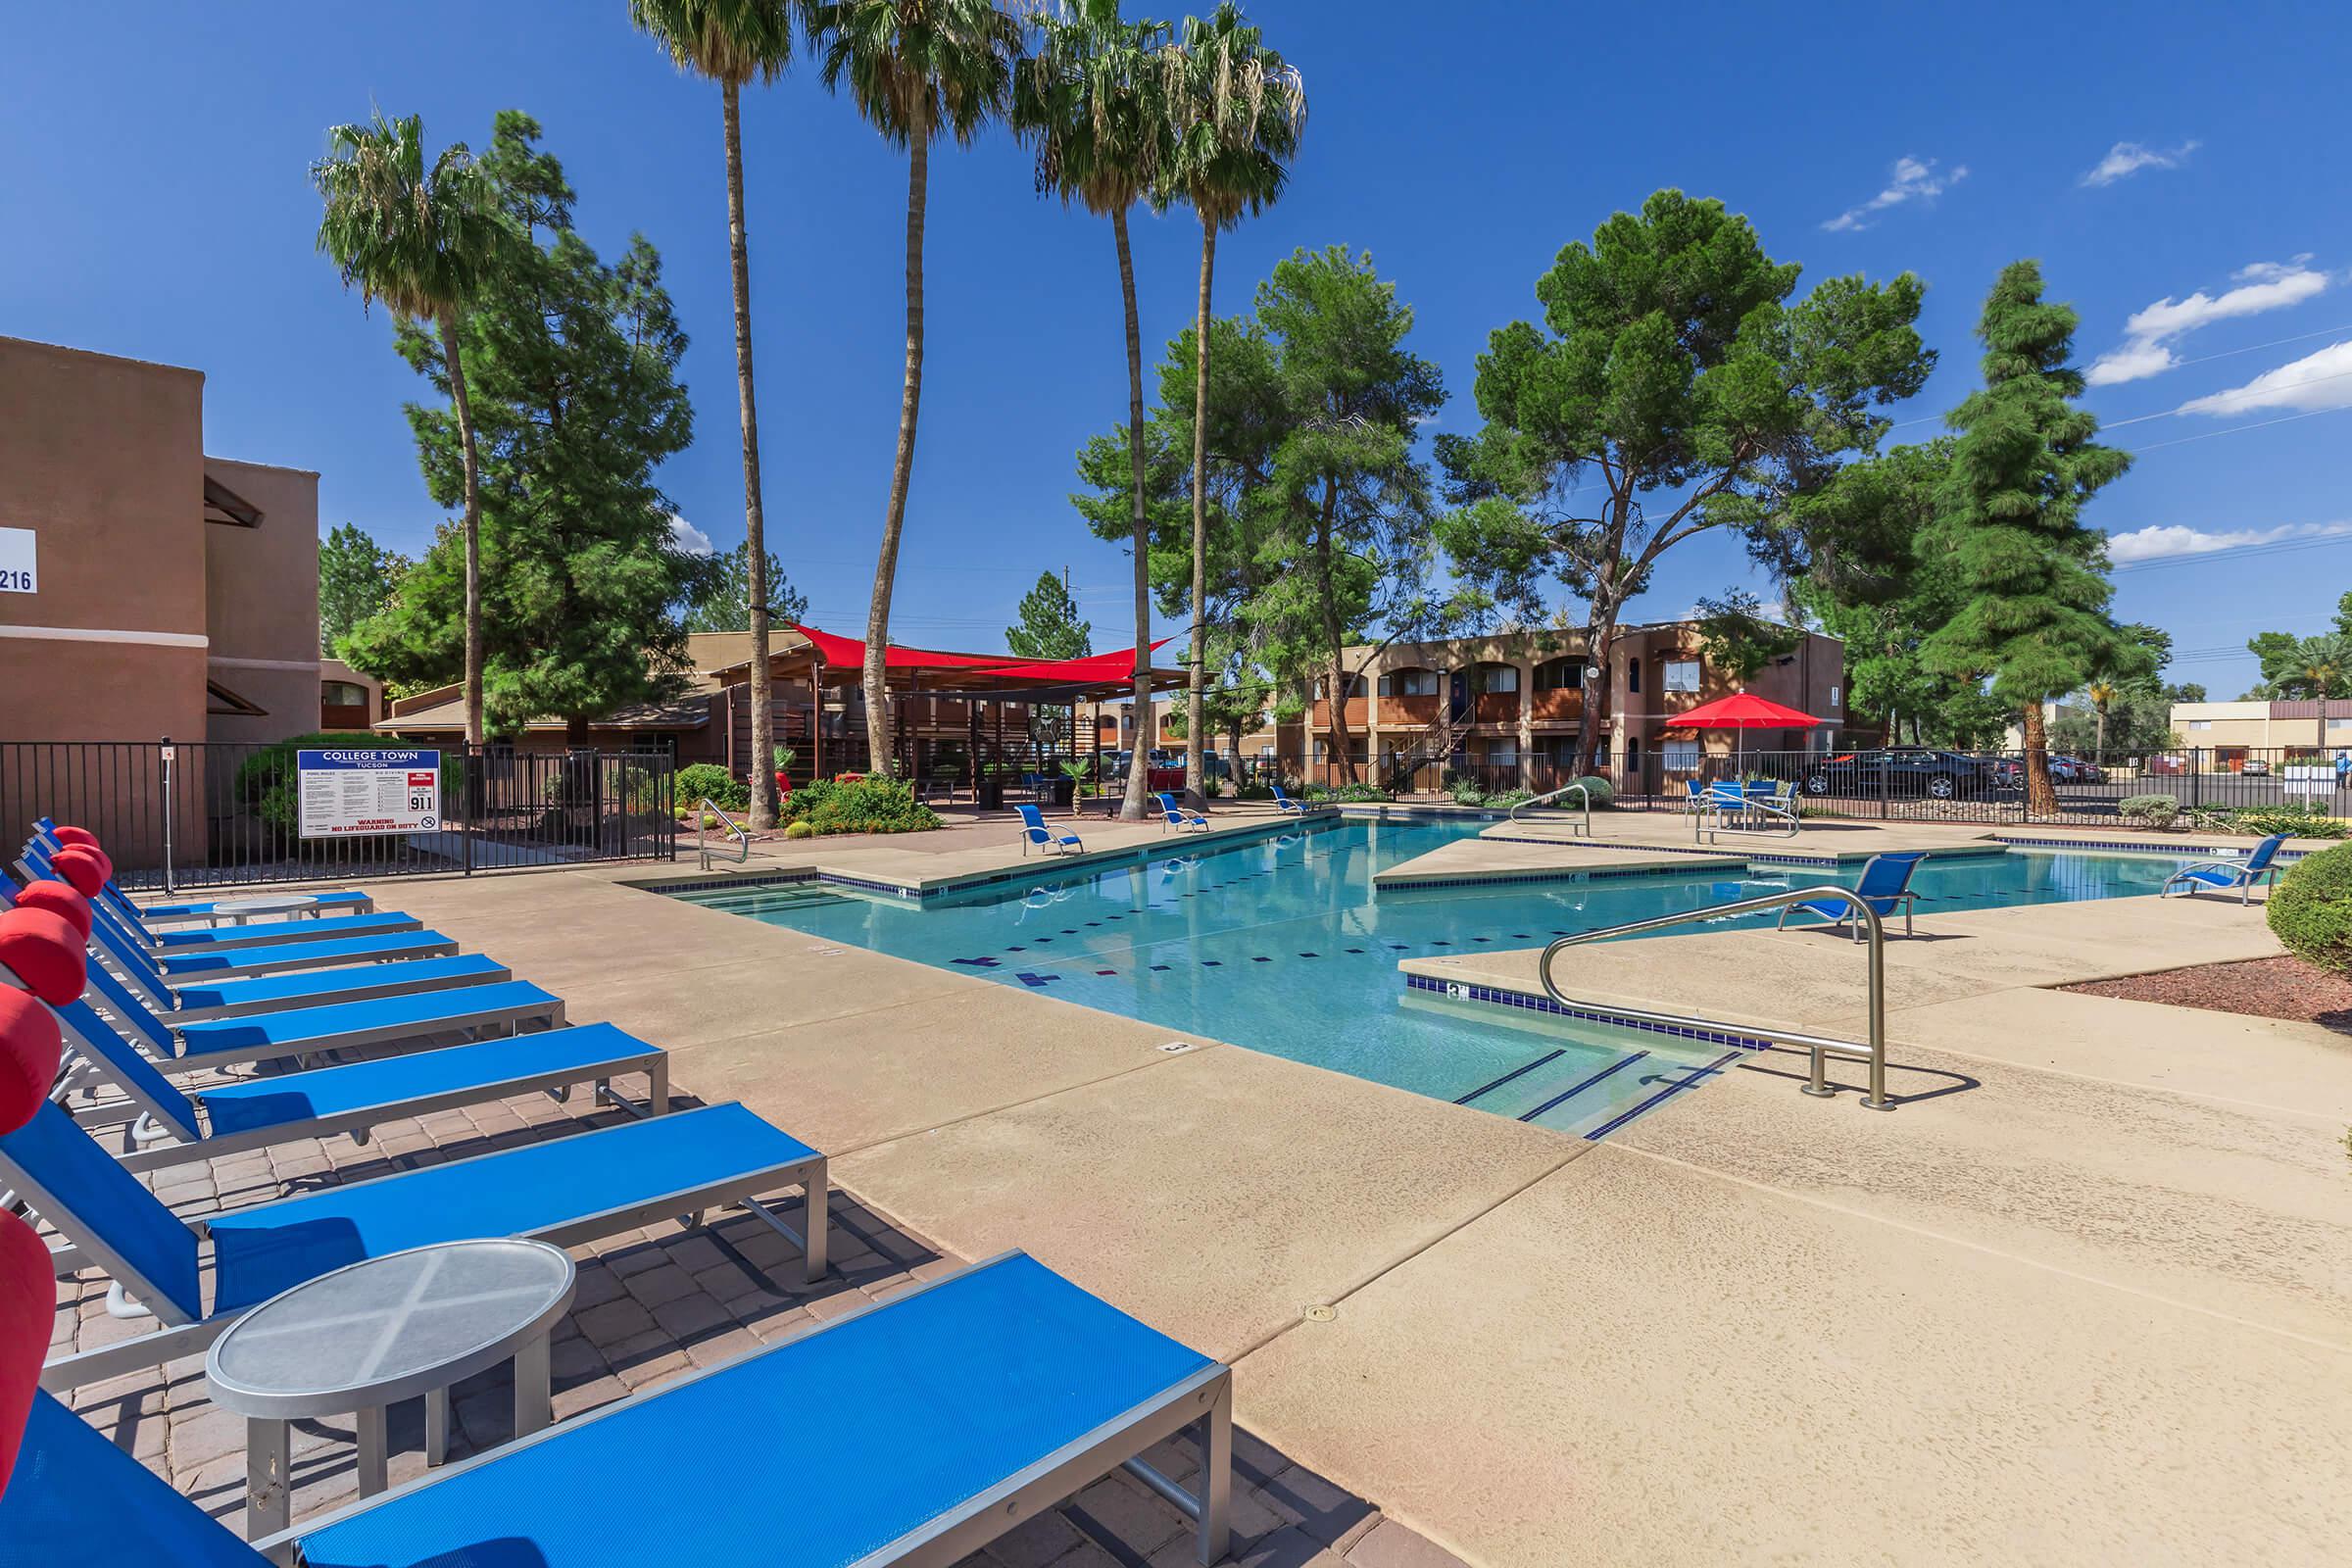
(357, 578)
(575, 403)
(1050, 626)
(2033, 615)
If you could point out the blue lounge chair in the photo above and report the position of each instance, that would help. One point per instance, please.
(2224, 875)
(1034, 831)
(238, 963)
(288, 986)
(1176, 816)
(354, 1098)
(1885, 886)
(566, 1191)
(111, 905)
(927, 1426)
(342, 900)
(202, 1044)
(1283, 803)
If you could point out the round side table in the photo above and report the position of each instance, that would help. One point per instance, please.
(373, 1333)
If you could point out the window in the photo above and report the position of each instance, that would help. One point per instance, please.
(1409, 683)
(1678, 756)
(1504, 754)
(2340, 724)
(1682, 675)
(1633, 675)
(2200, 724)
(1560, 675)
(342, 693)
(1498, 678)
(1833, 697)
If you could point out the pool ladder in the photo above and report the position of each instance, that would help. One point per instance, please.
(734, 830)
(1577, 789)
(1820, 1047)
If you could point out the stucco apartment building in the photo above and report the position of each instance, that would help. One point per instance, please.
(147, 589)
(1507, 707)
(2228, 733)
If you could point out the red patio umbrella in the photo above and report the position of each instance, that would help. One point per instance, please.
(1741, 711)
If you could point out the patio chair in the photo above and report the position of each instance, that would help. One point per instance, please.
(204, 1044)
(2224, 875)
(176, 1128)
(52, 838)
(1048, 840)
(1173, 815)
(37, 865)
(929, 1425)
(295, 987)
(567, 1191)
(40, 858)
(1283, 803)
(1885, 886)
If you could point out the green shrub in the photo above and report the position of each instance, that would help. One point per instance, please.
(1253, 792)
(2148, 810)
(2304, 822)
(709, 781)
(1346, 793)
(1603, 793)
(862, 806)
(800, 830)
(2311, 908)
(1506, 799)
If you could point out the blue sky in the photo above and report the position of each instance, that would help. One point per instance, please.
(155, 206)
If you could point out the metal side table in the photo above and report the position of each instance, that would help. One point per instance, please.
(371, 1334)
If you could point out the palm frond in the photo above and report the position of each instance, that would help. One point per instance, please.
(735, 41)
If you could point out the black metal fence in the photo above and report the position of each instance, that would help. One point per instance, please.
(1919, 784)
(212, 814)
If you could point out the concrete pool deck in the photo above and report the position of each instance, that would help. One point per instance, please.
(2083, 1298)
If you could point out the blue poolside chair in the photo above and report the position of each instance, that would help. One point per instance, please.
(2224, 875)
(114, 903)
(1885, 886)
(1283, 803)
(345, 900)
(567, 1191)
(922, 1428)
(1173, 815)
(202, 1044)
(354, 1098)
(1034, 831)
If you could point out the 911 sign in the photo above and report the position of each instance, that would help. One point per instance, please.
(345, 794)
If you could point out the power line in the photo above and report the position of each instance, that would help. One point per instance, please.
(2275, 547)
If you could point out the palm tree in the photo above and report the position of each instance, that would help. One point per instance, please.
(423, 239)
(732, 43)
(2101, 693)
(1241, 112)
(2323, 670)
(915, 69)
(1092, 99)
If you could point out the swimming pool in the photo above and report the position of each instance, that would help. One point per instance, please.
(1280, 943)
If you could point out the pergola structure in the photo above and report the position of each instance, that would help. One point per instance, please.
(818, 662)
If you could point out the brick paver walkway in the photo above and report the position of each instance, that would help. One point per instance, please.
(650, 1304)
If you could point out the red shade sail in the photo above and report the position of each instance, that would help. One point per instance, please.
(1116, 665)
(849, 651)
(1741, 711)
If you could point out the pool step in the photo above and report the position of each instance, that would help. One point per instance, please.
(1590, 1093)
(765, 897)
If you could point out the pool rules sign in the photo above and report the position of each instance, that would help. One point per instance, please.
(345, 794)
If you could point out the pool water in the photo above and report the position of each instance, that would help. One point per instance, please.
(1281, 944)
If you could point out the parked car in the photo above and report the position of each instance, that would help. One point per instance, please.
(2075, 771)
(1907, 771)
(2254, 767)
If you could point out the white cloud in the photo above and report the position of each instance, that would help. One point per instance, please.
(1913, 179)
(687, 537)
(2148, 333)
(2310, 384)
(2156, 543)
(2127, 158)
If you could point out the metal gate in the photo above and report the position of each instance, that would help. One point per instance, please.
(215, 813)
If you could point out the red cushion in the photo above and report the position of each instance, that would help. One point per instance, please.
(28, 1311)
(29, 1046)
(48, 958)
(82, 866)
(75, 835)
(61, 900)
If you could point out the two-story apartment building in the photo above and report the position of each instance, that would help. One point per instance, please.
(1507, 708)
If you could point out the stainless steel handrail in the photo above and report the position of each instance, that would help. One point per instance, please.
(1820, 1046)
(735, 830)
(1711, 805)
(1578, 787)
